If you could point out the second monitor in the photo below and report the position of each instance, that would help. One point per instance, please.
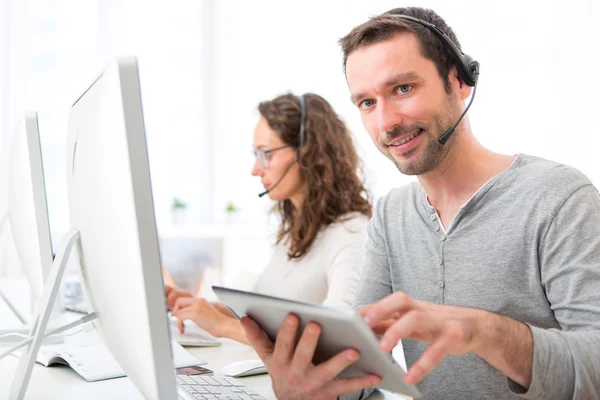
(27, 213)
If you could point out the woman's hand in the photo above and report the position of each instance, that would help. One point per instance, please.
(172, 293)
(204, 314)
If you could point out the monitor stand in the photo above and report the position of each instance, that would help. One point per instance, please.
(25, 326)
(40, 322)
(3, 220)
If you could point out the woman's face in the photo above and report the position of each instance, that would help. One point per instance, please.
(271, 165)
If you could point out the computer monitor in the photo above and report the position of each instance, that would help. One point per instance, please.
(111, 205)
(27, 212)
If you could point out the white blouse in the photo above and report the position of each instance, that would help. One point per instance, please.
(328, 273)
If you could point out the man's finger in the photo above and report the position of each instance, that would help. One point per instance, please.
(380, 327)
(362, 311)
(341, 387)
(285, 342)
(450, 336)
(305, 349)
(390, 306)
(331, 368)
(258, 340)
(416, 325)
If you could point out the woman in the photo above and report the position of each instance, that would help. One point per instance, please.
(307, 164)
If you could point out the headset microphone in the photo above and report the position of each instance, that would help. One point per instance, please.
(468, 68)
(261, 194)
(446, 135)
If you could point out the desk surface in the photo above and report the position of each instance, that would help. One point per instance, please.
(61, 382)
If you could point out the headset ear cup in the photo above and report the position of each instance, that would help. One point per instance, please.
(469, 69)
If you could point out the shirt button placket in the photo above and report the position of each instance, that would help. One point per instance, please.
(435, 224)
(441, 283)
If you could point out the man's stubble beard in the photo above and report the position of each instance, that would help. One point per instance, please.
(434, 153)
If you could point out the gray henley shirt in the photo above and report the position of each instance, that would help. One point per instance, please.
(527, 246)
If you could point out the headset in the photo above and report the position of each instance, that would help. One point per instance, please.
(302, 132)
(301, 135)
(468, 68)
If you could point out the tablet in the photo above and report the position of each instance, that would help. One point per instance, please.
(341, 329)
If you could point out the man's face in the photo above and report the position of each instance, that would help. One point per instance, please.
(402, 102)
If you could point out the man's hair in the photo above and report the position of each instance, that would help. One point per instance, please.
(385, 26)
(329, 166)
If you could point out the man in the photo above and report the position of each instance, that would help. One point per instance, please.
(488, 267)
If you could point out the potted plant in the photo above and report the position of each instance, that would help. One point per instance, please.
(231, 212)
(178, 211)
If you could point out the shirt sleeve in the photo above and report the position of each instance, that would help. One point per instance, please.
(566, 361)
(346, 264)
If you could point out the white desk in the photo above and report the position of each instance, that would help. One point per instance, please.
(61, 382)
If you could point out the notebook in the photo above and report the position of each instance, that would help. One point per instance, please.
(94, 362)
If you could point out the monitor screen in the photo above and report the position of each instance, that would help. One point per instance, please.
(111, 205)
(27, 206)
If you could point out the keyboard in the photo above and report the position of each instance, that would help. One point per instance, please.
(212, 388)
(193, 335)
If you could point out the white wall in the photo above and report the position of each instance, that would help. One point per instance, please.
(53, 49)
(536, 94)
(205, 65)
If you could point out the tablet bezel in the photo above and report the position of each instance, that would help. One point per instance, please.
(341, 329)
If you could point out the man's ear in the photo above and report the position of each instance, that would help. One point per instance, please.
(463, 88)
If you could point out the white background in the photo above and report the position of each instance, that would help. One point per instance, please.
(205, 65)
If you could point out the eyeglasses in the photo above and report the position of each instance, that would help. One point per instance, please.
(264, 156)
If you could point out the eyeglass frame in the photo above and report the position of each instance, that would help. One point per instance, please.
(263, 156)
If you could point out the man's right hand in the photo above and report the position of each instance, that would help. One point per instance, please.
(173, 293)
(293, 374)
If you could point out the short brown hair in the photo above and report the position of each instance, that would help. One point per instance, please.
(329, 166)
(385, 26)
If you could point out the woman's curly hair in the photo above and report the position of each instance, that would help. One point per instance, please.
(329, 166)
